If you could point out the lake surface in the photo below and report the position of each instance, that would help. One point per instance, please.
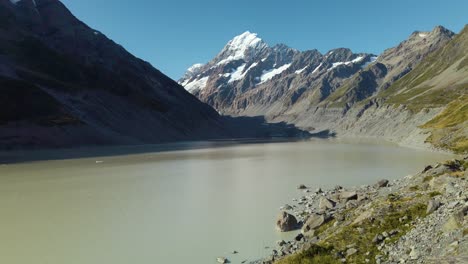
(185, 206)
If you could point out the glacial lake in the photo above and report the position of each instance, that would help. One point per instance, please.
(179, 206)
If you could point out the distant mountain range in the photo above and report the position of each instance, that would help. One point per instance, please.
(392, 95)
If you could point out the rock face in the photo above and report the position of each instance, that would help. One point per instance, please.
(286, 222)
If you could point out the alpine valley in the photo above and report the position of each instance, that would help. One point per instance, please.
(106, 160)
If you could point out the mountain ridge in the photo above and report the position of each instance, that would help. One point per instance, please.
(337, 91)
(65, 84)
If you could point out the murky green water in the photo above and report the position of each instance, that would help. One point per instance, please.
(175, 207)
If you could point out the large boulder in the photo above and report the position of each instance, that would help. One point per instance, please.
(326, 204)
(346, 196)
(382, 183)
(313, 222)
(222, 260)
(286, 222)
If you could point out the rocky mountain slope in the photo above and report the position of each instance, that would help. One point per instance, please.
(422, 218)
(341, 93)
(63, 84)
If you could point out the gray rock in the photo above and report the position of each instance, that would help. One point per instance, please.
(454, 222)
(450, 188)
(351, 204)
(377, 239)
(382, 183)
(326, 203)
(440, 170)
(313, 222)
(302, 187)
(299, 237)
(453, 204)
(222, 260)
(281, 243)
(286, 222)
(348, 196)
(427, 168)
(432, 206)
(414, 254)
(362, 197)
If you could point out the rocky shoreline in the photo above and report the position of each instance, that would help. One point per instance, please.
(420, 218)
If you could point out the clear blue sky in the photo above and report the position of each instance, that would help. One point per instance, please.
(173, 34)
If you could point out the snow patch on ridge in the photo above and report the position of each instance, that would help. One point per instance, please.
(239, 73)
(191, 72)
(371, 60)
(336, 64)
(318, 68)
(196, 67)
(199, 84)
(301, 70)
(267, 75)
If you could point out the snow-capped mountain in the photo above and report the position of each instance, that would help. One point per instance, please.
(249, 77)
(247, 65)
(339, 92)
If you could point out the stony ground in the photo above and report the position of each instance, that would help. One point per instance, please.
(421, 218)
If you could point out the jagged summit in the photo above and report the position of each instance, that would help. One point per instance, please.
(437, 32)
(243, 46)
(244, 40)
